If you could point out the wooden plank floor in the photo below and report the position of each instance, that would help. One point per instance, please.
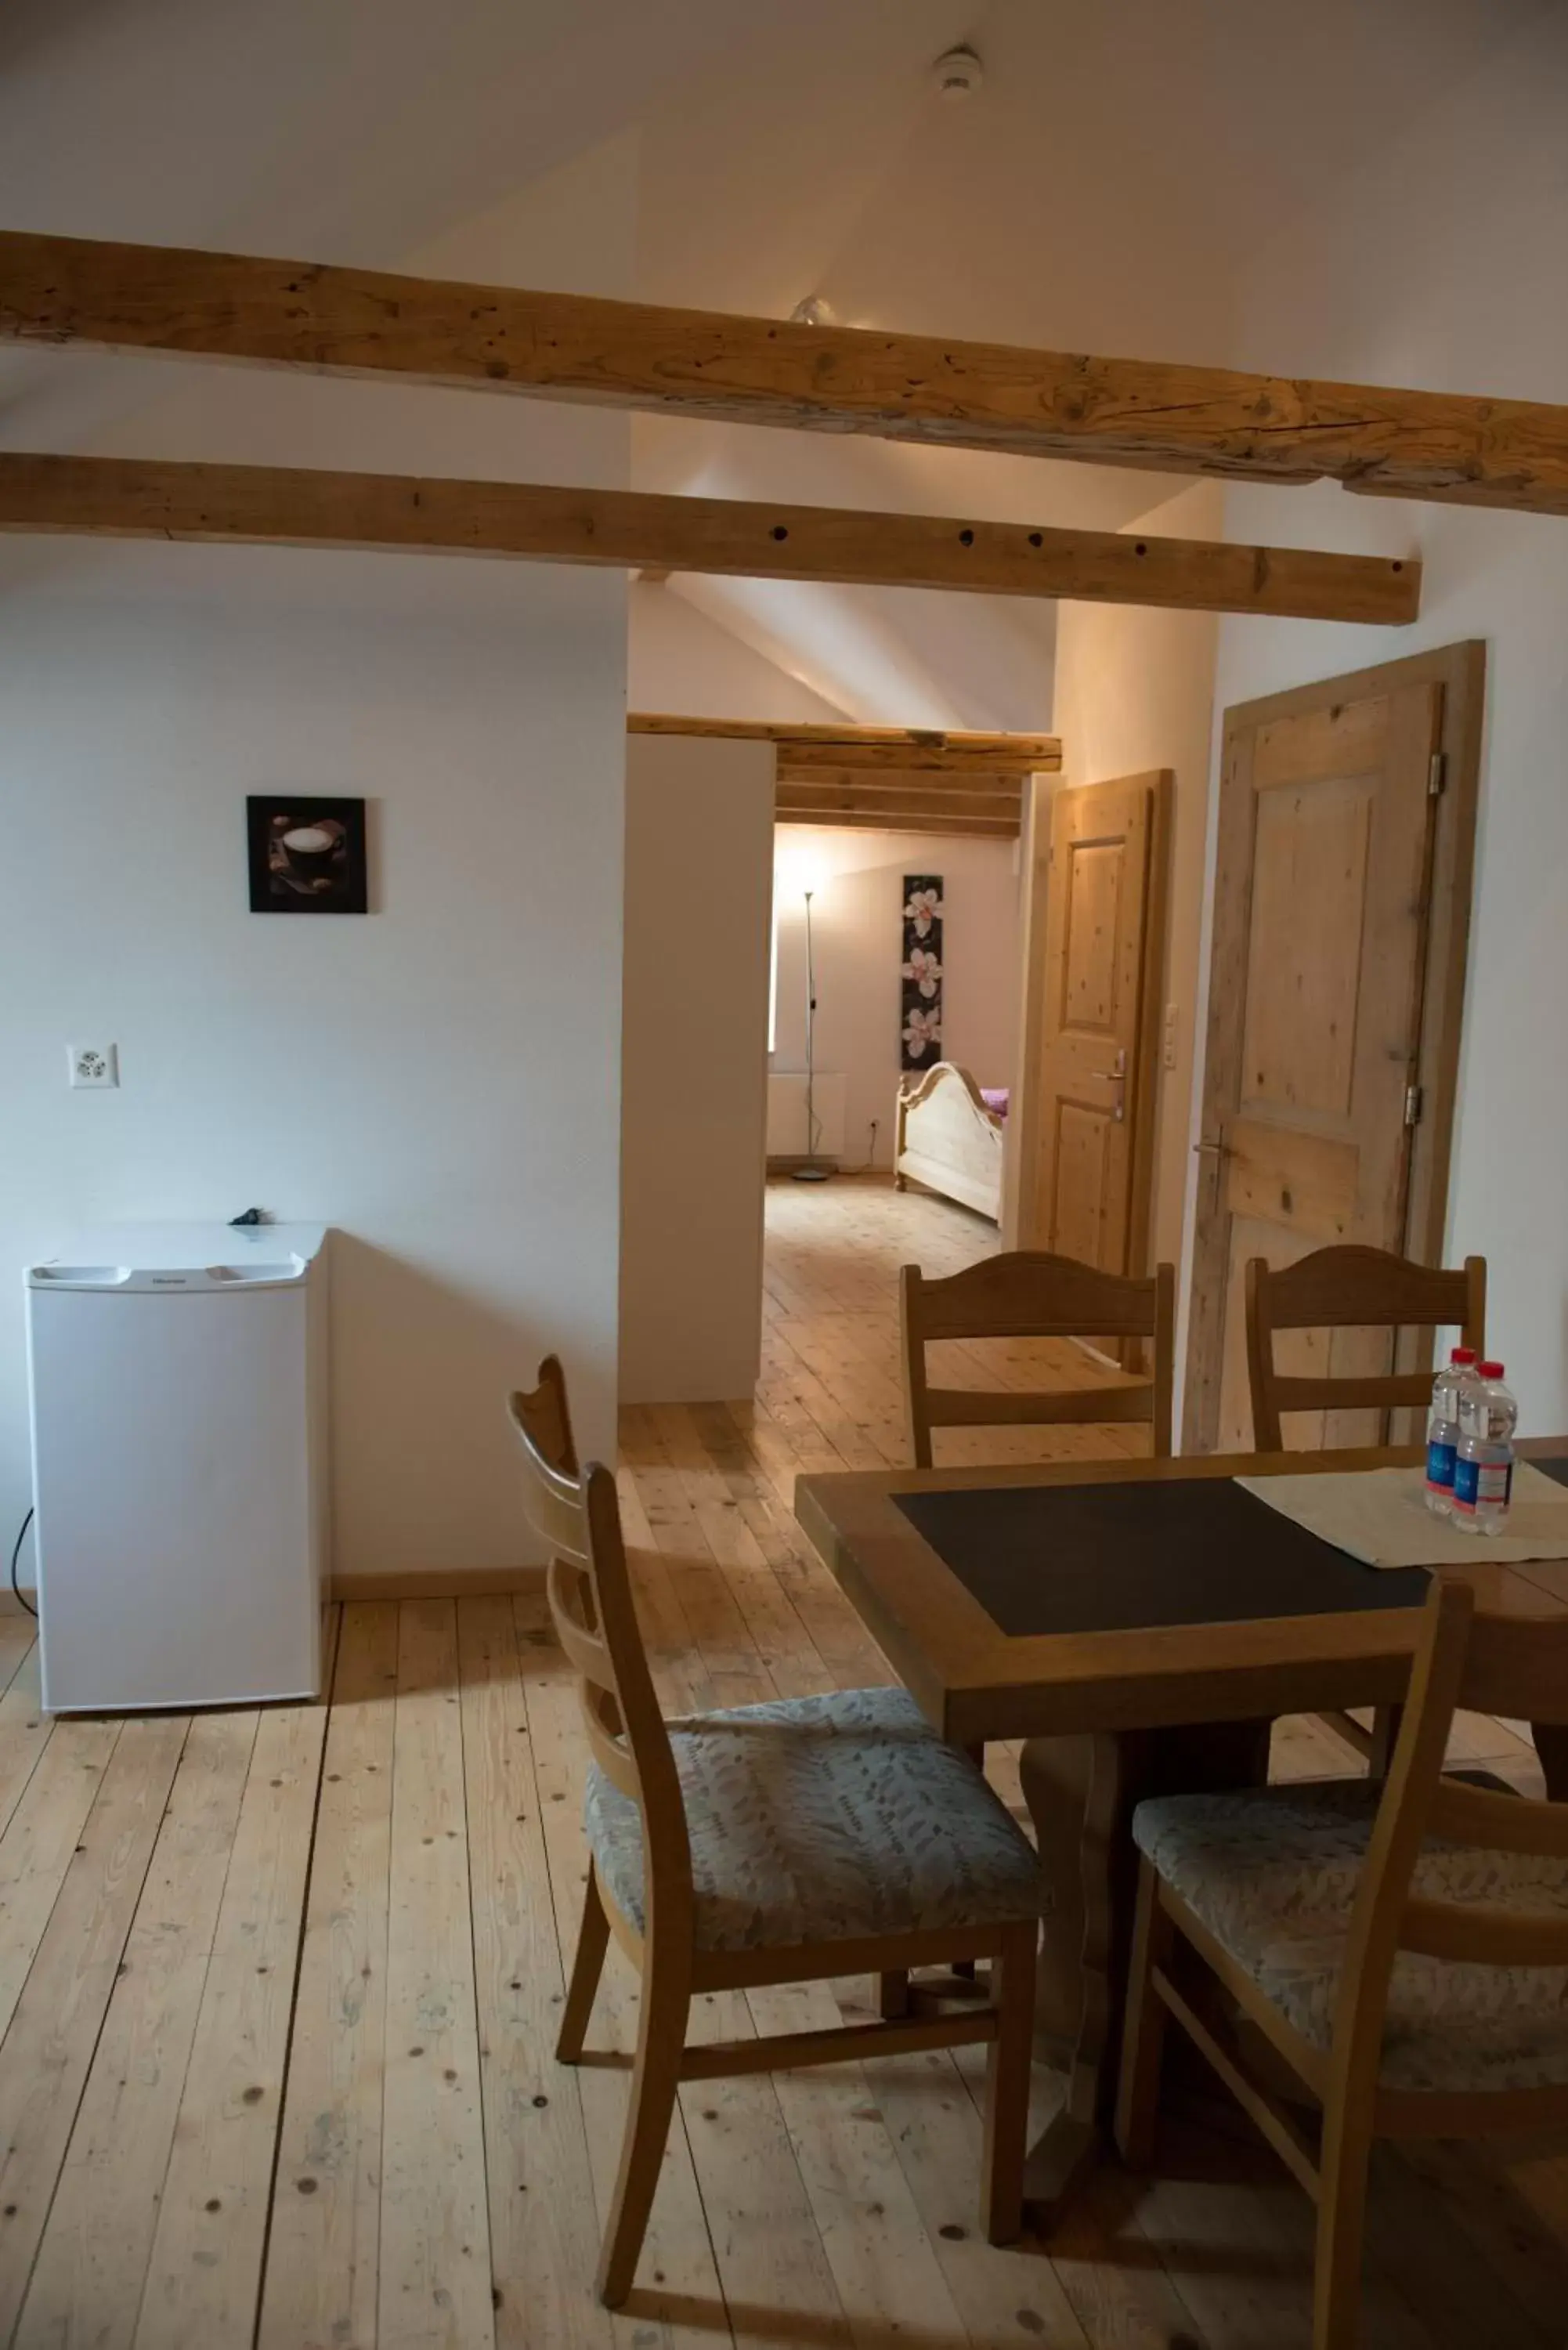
(278, 1991)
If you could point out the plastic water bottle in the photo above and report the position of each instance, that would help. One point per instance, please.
(1484, 1471)
(1443, 1428)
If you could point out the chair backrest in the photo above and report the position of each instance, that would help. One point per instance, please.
(577, 1513)
(1352, 1288)
(1029, 1293)
(1463, 1659)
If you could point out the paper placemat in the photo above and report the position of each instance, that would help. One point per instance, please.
(1380, 1516)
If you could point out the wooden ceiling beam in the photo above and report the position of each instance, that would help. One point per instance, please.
(904, 783)
(277, 506)
(846, 745)
(896, 808)
(955, 758)
(882, 782)
(1142, 413)
(910, 820)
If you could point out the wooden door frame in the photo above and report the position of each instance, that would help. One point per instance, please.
(1460, 670)
(1023, 1100)
(1142, 1100)
(1161, 783)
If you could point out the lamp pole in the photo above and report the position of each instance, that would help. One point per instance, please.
(811, 1172)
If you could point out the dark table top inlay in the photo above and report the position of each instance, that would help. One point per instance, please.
(1115, 1557)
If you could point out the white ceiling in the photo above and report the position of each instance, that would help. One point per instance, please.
(1123, 162)
(1121, 158)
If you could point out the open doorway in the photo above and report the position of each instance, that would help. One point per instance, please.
(897, 863)
(909, 843)
(915, 940)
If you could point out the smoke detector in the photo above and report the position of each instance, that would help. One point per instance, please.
(813, 312)
(957, 75)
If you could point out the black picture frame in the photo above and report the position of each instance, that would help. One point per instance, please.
(328, 873)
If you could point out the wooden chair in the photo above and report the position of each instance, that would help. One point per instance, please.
(1408, 1984)
(1353, 1288)
(1028, 1294)
(1350, 1288)
(830, 1835)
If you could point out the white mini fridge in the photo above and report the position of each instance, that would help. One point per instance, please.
(178, 1382)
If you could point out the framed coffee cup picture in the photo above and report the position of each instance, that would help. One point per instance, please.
(307, 856)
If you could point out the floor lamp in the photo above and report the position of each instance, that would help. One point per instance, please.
(812, 1171)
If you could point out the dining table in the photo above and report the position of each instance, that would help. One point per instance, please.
(1139, 1625)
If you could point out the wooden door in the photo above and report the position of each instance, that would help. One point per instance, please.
(1084, 1141)
(1312, 1078)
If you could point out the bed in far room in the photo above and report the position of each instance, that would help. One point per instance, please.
(948, 1136)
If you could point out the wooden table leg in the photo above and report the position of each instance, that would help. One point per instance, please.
(1082, 1793)
(1551, 1746)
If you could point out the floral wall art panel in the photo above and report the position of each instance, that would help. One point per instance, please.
(922, 971)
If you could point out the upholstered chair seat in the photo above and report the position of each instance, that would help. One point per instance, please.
(1272, 1874)
(823, 1819)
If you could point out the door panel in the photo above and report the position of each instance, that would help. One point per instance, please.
(1300, 1183)
(1314, 1030)
(1310, 850)
(1344, 736)
(1083, 1178)
(1092, 979)
(1081, 1129)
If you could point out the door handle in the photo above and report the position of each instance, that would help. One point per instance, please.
(1116, 1076)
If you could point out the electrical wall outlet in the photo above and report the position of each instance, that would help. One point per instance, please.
(1172, 1014)
(93, 1064)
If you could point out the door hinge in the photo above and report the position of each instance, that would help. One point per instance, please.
(1437, 774)
(1412, 1105)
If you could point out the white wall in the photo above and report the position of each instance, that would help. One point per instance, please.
(855, 921)
(698, 877)
(683, 662)
(1134, 692)
(440, 1080)
(1442, 265)
(905, 656)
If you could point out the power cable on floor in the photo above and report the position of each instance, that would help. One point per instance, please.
(15, 1556)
